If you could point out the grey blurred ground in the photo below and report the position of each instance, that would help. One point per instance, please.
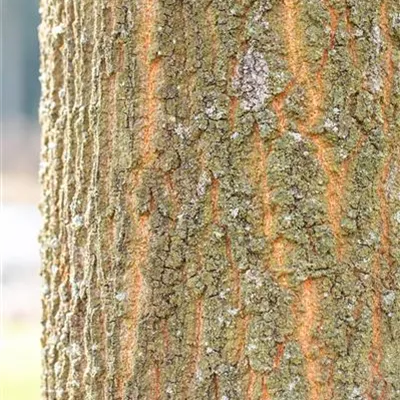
(20, 219)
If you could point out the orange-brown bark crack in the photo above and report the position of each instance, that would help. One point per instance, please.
(264, 389)
(307, 320)
(351, 40)
(389, 66)
(235, 271)
(265, 194)
(215, 200)
(250, 386)
(278, 104)
(315, 94)
(157, 383)
(150, 74)
(211, 25)
(279, 354)
(198, 335)
(387, 91)
(216, 387)
(234, 100)
(242, 329)
(376, 352)
(151, 69)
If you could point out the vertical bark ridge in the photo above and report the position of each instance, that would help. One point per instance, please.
(51, 177)
(309, 303)
(351, 41)
(295, 44)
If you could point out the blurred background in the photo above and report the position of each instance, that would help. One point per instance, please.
(20, 219)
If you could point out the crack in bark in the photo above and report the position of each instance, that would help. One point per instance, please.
(351, 41)
(214, 193)
(375, 355)
(262, 155)
(250, 386)
(278, 105)
(264, 389)
(309, 303)
(298, 66)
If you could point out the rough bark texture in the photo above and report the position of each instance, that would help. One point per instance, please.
(221, 202)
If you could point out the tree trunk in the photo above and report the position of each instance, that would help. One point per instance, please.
(221, 202)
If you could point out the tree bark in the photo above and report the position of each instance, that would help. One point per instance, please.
(221, 199)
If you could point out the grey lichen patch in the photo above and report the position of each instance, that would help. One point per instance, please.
(77, 221)
(252, 80)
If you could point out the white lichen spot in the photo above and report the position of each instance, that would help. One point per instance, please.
(84, 39)
(224, 398)
(396, 21)
(77, 221)
(54, 269)
(75, 383)
(233, 311)
(218, 234)
(296, 136)
(74, 351)
(235, 212)
(45, 290)
(199, 375)
(58, 30)
(389, 297)
(52, 145)
(169, 390)
(397, 217)
(182, 132)
(222, 295)
(235, 135)
(252, 80)
(376, 84)
(43, 166)
(214, 113)
(54, 243)
(331, 125)
(251, 347)
(204, 182)
(358, 33)
(356, 393)
(377, 38)
(293, 383)
(57, 368)
(209, 350)
(121, 296)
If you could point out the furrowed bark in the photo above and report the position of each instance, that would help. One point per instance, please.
(221, 199)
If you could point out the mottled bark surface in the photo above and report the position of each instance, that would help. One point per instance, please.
(221, 203)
